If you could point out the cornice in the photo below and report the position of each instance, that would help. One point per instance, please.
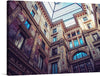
(45, 13)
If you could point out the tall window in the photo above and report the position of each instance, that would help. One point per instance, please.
(19, 40)
(43, 45)
(46, 24)
(83, 67)
(35, 6)
(85, 18)
(32, 13)
(89, 66)
(54, 38)
(89, 26)
(54, 68)
(76, 43)
(79, 55)
(40, 64)
(81, 41)
(54, 51)
(75, 67)
(44, 32)
(95, 36)
(70, 45)
(74, 34)
(55, 30)
(27, 24)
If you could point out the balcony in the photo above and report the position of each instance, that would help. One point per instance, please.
(42, 51)
(55, 57)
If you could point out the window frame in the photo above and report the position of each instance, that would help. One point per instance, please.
(95, 39)
(54, 38)
(32, 13)
(85, 18)
(36, 7)
(54, 30)
(73, 34)
(54, 51)
(89, 25)
(40, 63)
(54, 67)
(18, 41)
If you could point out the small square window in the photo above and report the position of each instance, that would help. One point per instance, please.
(74, 34)
(54, 51)
(68, 35)
(54, 38)
(19, 40)
(70, 45)
(81, 41)
(35, 6)
(95, 36)
(54, 30)
(85, 18)
(89, 26)
(54, 68)
(76, 44)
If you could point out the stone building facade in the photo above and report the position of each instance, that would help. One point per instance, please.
(36, 45)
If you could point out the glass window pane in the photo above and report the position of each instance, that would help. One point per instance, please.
(71, 45)
(32, 13)
(74, 34)
(27, 24)
(54, 38)
(35, 6)
(79, 55)
(76, 43)
(85, 18)
(81, 41)
(78, 32)
(56, 68)
(19, 40)
(52, 68)
(54, 30)
(89, 26)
